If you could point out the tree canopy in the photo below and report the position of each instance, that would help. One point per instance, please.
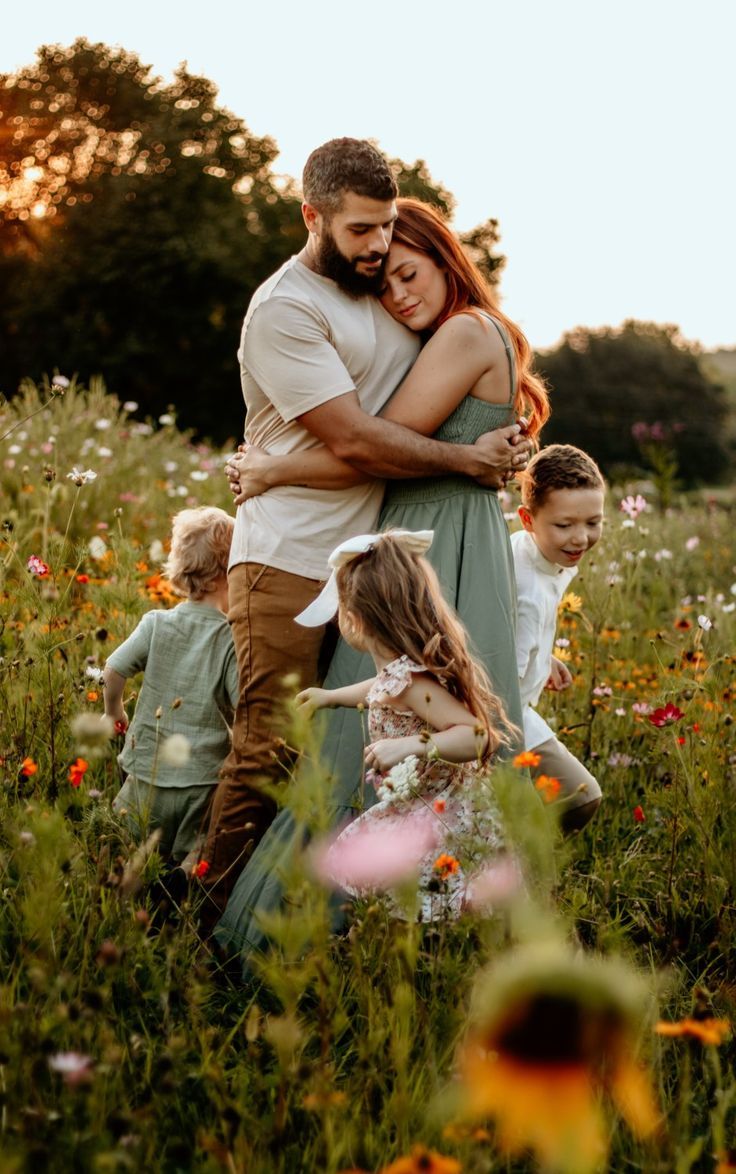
(137, 217)
(605, 382)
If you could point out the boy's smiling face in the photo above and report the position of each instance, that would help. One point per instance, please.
(566, 525)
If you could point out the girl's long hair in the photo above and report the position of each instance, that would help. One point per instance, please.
(398, 602)
(419, 226)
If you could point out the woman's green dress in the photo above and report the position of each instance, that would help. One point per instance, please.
(471, 554)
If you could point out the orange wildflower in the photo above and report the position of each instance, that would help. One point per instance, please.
(548, 787)
(439, 806)
(77, 771)
(711, 1032)
(446, 865)
(93, 695)
(28, 767)
(527, 758)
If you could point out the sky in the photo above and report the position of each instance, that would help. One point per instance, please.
(600, 135)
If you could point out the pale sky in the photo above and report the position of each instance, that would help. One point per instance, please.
(599, 134)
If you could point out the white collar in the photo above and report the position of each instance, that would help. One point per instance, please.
(543, 564)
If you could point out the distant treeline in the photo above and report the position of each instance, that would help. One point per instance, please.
(137, 217)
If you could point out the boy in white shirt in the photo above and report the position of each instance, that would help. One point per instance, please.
(562, 514)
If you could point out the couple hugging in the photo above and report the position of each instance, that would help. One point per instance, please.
(384, 390)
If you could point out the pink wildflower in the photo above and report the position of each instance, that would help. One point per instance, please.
(633, 505)
(376, 855)
(37, 566)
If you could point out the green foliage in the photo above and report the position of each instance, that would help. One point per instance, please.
(604, 382)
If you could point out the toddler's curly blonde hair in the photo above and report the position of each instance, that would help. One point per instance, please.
(200, 547)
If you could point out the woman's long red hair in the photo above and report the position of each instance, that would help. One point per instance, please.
(419, 226)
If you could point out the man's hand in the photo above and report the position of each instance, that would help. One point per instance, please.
(232, 472)
(246, 471)
(503, 453)
(560, 676)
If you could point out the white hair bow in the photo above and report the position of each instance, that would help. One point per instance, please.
(324, 607)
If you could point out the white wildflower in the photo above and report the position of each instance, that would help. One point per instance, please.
(660, 555)
(705, 623)
(130, 406)
(156, 551)
(402, 780)
(199, 475)
(82, 477)
(176, 750)
(692, 543)
(92, 733)
(97, 547)
(60, 381)
(167, 418)
(102, 451)
(94, 672)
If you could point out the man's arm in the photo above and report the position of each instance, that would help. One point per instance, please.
(385, 449)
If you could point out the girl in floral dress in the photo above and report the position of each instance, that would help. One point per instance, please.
(434, 723)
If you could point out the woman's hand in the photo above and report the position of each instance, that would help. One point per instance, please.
(387, 752)
(312, 699)
(246, 471)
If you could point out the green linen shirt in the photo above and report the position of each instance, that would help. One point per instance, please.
(187, 655)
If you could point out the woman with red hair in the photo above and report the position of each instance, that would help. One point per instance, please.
(473, 375)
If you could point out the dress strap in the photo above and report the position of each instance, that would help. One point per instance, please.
(508, 347)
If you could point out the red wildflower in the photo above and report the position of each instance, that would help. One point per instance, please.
(666, 715)
(201, 869)
(77, 771)
(83, 578)
(120, 726)
(639, 815)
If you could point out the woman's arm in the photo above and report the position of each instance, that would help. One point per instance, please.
(447, 369)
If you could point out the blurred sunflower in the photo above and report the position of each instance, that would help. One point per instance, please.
(552, 1032)
(423, 1161)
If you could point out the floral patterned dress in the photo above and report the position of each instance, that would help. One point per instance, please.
(453, 800)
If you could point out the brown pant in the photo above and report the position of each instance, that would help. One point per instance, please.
(269, 646)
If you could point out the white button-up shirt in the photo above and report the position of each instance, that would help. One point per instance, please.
(540, 586)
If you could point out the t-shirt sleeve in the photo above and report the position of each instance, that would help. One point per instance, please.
(287, 350)
(132, 655)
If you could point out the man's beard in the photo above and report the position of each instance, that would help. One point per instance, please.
(330, 262)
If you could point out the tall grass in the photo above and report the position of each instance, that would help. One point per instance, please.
(127, 1046)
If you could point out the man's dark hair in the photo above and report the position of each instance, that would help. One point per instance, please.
(346, 165)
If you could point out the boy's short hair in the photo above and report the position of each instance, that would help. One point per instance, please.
(200, 548)
(558, 466)
(346, 165)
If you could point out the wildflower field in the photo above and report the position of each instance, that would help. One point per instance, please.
(585, 1026)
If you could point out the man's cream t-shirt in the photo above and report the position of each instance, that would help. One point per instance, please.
(304, 342)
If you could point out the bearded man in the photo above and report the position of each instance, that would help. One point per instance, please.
(319, 359)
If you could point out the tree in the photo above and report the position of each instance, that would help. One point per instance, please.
(138, 218)
(605, 382)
